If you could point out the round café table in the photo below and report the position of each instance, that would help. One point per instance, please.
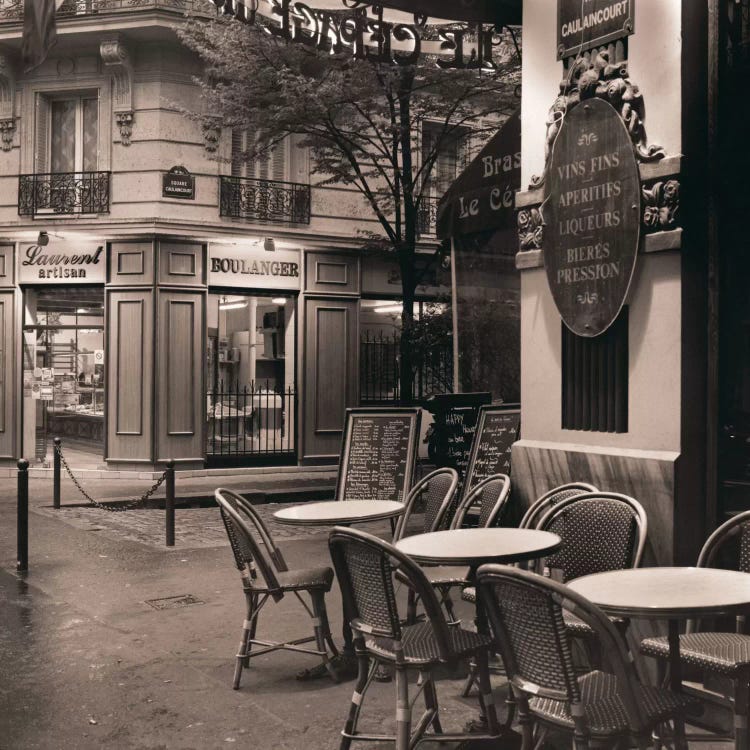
(475, 547)
(339, 513)
(671, 594)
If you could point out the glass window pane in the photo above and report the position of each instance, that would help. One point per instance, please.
(63, 135)
(90, 134)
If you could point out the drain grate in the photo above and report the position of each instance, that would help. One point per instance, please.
(173, 602)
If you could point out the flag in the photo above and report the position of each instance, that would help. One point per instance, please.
(39, 32)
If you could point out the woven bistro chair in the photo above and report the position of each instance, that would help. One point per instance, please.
(490, 497)
(365, 567)
(600, 531)
(536, 511)
(434, 494)
(724, 654)
(266, 576)
(525, 613)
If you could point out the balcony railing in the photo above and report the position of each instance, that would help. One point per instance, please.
(427, 216)
(63, 193)
(264, 200)
(12, 10)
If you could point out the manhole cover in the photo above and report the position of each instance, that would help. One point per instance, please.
(172, 602)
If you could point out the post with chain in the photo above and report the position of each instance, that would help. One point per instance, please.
(169, 505)
(56, 474)
(22, 564)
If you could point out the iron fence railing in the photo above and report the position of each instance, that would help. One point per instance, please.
(11, 11)
(63, 193)
(379, 369)
(264, 200)
(427, 215)
(255, 420)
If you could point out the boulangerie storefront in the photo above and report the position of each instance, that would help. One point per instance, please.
(210, 351)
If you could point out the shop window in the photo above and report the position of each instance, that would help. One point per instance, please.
(63, 373)
(251, 394)
(595, 379)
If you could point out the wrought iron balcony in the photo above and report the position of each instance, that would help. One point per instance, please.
(63, 193)
(427, 216)
(264, 200)
(12, 10)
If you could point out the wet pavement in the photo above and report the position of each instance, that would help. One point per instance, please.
(88, 662)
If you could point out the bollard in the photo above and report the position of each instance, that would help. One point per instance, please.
(22, 564)
(56, 474)
(169, 505)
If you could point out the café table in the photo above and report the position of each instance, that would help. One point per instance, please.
(671, 594)
(339, 513)
(477, 546)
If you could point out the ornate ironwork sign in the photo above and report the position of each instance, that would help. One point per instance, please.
(592, 217)
(365, 34)
(585, 24)
(178, 183)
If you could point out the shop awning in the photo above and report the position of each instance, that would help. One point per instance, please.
(482, 197)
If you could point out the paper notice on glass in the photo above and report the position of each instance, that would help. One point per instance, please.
(48, 374)
(47, 393)
(36, 390)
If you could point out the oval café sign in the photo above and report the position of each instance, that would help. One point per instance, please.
(592, 217)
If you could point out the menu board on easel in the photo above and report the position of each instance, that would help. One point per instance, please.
(497, 429)
(379, 452)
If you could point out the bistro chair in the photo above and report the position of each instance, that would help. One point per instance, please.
(490, 497)
(606, 708)
(724, 654)
(365, 567)
(538, 508)
(266, 576)
(434, 495)
(534, 514)
(600, 531)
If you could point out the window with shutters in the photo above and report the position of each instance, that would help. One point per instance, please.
(67, 133)
(595, 379)
(451, 156)
(270, 166)
(66, 177)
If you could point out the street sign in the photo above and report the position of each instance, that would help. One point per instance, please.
(586, 24)
(178, 183)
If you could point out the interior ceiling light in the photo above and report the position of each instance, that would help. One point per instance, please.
(279, 300)
(387, 309)
(82, 309)
(232, 305)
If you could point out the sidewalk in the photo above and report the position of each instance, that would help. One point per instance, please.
(90, 661)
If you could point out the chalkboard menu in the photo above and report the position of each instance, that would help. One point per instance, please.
(379, 451)
(453, 430)
(497, 429)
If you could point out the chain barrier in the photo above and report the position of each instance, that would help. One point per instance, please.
(112, 507)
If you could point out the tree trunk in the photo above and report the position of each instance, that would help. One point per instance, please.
(406, 350)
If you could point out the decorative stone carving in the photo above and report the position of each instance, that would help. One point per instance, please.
(598, 78)
(7, 104)
(530, 228)
(116, 57)
(211, 137)
(661, 202)
(7, 132)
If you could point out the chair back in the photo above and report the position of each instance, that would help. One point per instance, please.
(364, 566)
(245, 530)
(735, 531)
(437, 489)
(600, 531)
(526, 614)
(491, 495)
(537, 509)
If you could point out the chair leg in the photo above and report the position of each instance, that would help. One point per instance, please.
(486, 699)
(741, 697)
(320, 619)
(411, 607)
(448, 604)
(403, 711)
(248, 633)
(470, 680)
(354, 708)
(526, 724)
(431, 702)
